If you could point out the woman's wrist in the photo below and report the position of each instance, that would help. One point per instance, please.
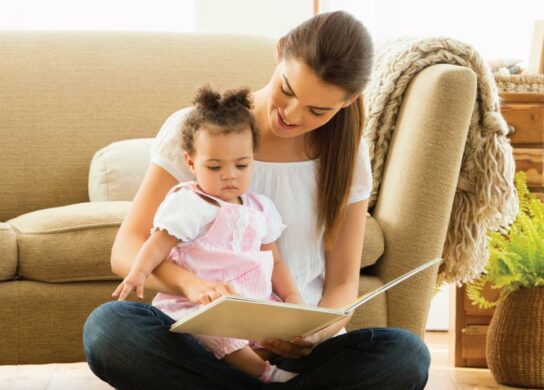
(293, 297)
(171, 277)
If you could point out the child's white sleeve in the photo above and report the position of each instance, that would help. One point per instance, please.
(274, 223)
(184, 215)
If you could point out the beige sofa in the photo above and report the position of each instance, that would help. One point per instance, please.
(66, 95)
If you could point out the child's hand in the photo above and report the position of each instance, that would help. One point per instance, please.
(134, 280)
(206, 292)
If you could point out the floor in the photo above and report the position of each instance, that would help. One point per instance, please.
(78, 376)
(443, 376)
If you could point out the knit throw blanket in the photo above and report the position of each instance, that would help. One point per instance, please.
(486, 197)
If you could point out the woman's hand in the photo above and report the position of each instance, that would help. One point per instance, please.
(202, 292)
(134, 280)
(297, 348)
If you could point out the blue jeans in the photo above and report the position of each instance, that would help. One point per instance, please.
(128, 345)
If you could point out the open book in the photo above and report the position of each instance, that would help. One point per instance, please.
(254, 319)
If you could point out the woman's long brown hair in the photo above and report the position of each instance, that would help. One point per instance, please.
(339, 49)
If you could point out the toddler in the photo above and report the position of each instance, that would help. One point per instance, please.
(217, 229)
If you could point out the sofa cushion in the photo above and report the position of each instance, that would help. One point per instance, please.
(374, 242)
(42, 322)
(373, 313)
(69, 243)
(118, 169)
(8, 252)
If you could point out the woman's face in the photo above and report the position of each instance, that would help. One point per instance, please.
(299, 101)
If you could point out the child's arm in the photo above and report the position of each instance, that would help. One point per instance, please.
(152, 253)
(283, 283)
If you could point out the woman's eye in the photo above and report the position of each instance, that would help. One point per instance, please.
(214, 168)
(241, 166)
(316, 113)
(285, 92)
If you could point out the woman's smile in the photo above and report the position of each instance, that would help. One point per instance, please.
(283, 123)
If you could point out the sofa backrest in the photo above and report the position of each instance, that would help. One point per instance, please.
(65, 95)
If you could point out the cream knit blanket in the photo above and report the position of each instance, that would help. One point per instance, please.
(486, 197)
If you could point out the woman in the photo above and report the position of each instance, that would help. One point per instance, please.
(314, 165)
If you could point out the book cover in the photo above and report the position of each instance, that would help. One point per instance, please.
(253, 319)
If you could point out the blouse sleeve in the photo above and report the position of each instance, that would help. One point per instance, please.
(274, 223)
(362, 177)
(166, 150)
(183, 214)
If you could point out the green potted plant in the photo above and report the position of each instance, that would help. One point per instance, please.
(515, 337)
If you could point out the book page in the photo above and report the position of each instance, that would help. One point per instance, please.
(256, 321)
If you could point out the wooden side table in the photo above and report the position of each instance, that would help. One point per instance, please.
(524, 112)
(470, 324)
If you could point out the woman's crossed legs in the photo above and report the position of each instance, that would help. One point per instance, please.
(128, 345)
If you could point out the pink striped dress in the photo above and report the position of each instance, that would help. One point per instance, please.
(226, 249)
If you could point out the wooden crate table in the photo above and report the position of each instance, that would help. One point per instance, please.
(524, 113)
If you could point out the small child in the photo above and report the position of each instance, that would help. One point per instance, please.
(217, 229)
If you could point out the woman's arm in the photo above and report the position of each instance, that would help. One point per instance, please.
(343, 264)
(134, 231)
(283, 283)
(155, 249)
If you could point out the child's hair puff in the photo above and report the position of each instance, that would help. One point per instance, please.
(227, 113)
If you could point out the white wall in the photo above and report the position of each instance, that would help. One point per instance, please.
(266, 17)
(131, 15)
(496, 28)
(439, 313)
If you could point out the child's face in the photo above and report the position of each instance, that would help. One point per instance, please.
(222, 163)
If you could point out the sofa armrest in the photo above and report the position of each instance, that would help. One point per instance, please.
(68, 243)
(8, 252)
(419, 183)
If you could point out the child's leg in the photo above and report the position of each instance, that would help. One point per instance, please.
(246, 360)
(249, 362)
(238, 353)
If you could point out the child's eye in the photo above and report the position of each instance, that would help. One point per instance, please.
(214, 168)
(241, 166)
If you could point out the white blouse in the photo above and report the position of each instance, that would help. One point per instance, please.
(292, 187)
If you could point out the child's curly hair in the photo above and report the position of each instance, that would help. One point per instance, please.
(229, 113)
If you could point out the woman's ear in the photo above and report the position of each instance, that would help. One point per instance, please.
(350, 101)
(189, 161)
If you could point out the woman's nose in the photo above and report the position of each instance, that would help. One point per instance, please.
(291, 113)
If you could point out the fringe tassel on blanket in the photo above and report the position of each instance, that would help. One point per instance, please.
(486, 196)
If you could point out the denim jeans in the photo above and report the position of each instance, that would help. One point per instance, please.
(128, 345)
